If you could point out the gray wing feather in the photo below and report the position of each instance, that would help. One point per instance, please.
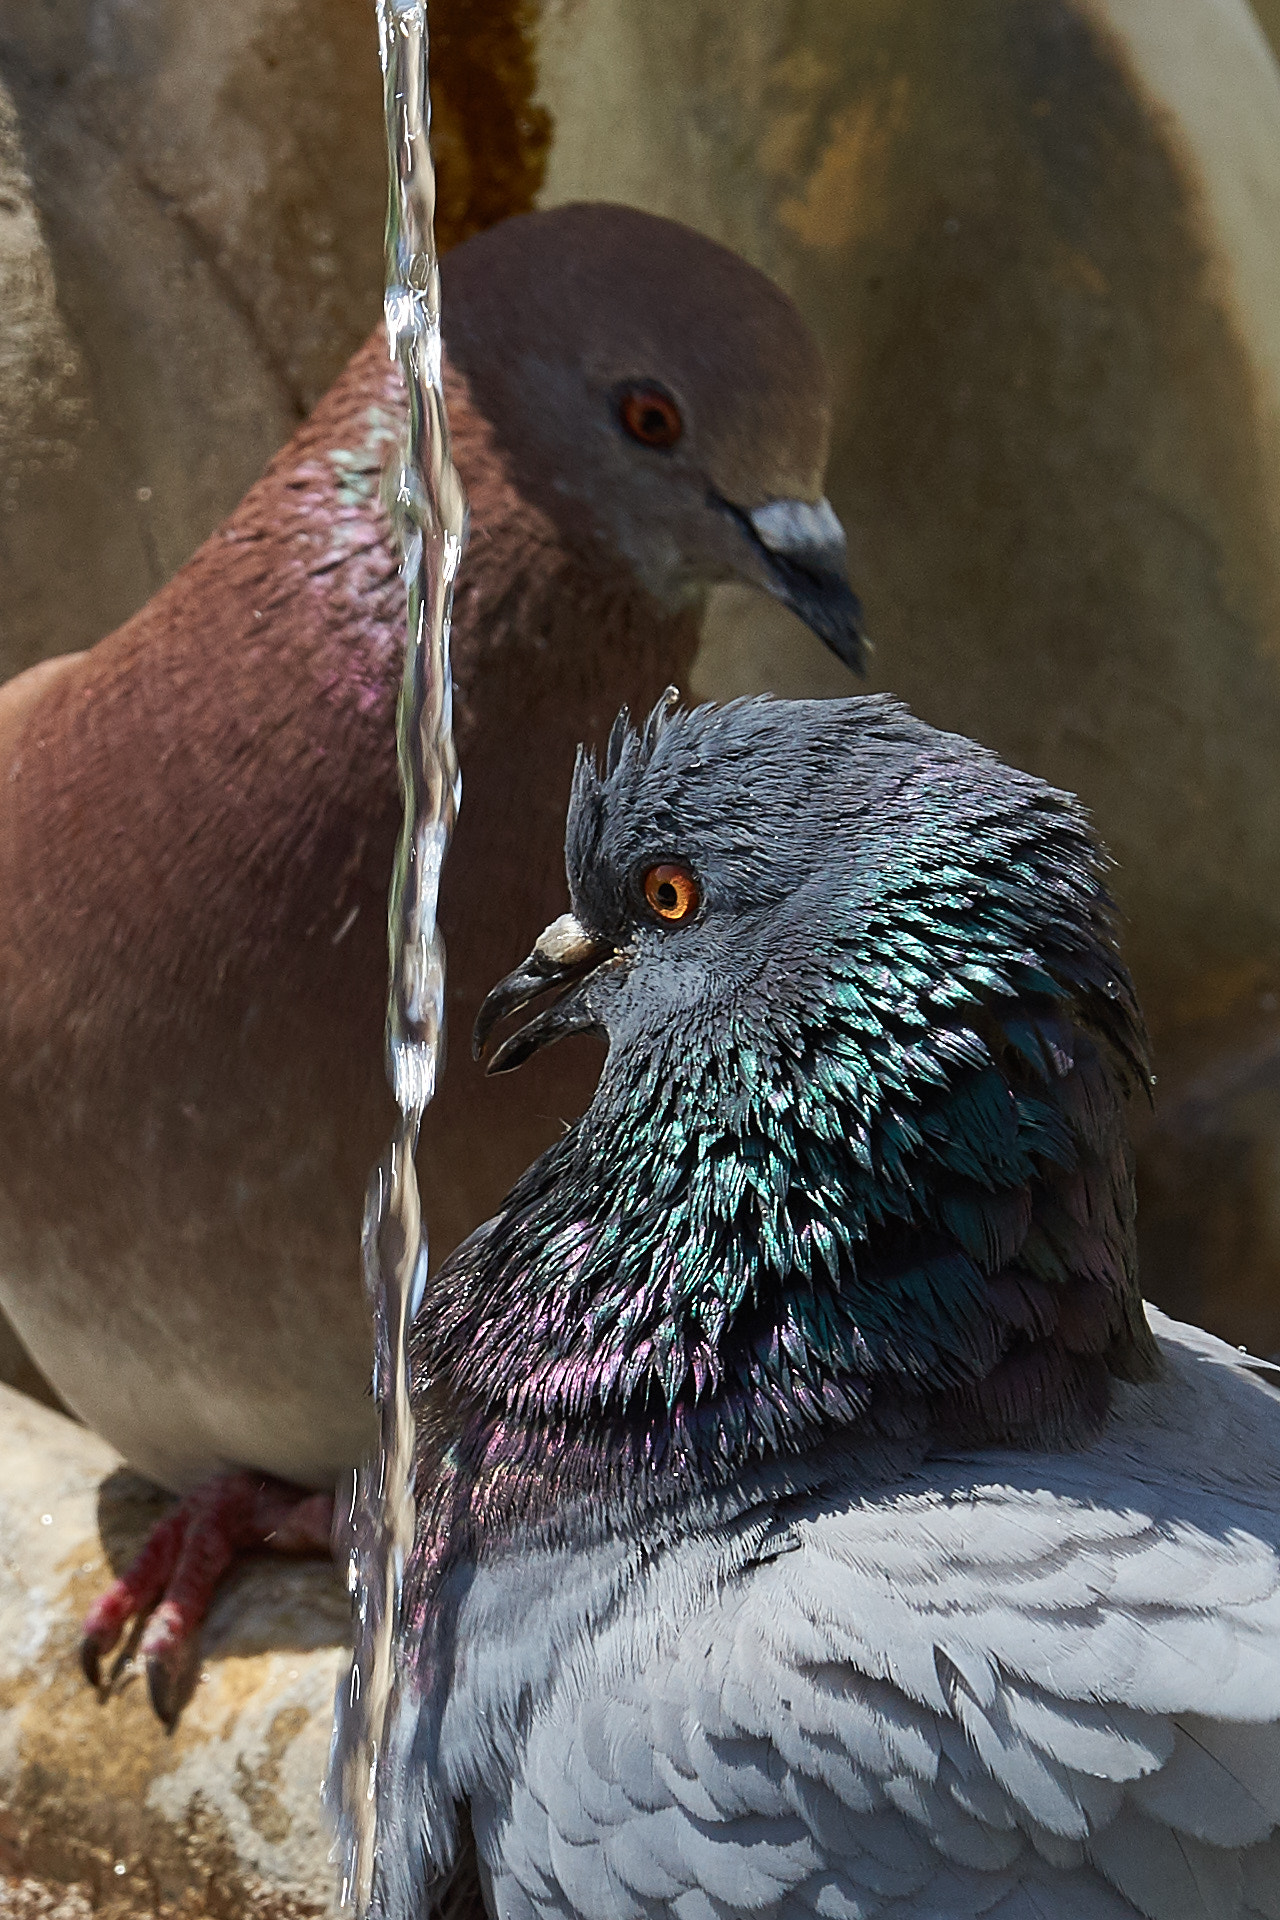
(1221, 1784)
(1168, 1874)
(1262, 1881)
(1036, 1689)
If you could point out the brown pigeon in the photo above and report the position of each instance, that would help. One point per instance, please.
(197, 819)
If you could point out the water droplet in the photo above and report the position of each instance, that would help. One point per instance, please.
(428, 509)
(46, 1519)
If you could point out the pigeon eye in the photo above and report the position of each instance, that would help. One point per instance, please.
(650, 416)
(672, 892)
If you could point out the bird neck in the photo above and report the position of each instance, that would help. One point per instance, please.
(252, 701)
(761, 1236)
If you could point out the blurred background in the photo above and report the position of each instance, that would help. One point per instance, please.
(1040, 241)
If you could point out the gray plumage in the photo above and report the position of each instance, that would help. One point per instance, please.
(897, 1672)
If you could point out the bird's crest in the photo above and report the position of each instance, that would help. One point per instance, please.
(622, 735)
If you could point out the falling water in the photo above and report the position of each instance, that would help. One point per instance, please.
(430, 519)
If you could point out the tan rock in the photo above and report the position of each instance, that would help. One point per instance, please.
(41, 378)
(1268, 14)
(222, 1817)
(178, 406)
(22, 1897)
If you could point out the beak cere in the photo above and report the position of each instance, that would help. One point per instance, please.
(563, 957)
(804, 548)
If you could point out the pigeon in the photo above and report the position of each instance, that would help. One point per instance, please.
(810, 1520)
(197, 821)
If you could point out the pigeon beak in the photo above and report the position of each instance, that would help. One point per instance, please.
(563, 957)
(805, 555)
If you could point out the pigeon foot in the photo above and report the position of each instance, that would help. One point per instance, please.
(173, 1579)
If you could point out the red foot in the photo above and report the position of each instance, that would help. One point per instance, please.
(180, 1567)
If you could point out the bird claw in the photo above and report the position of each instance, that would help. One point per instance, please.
(105, 1622)
(167, 1590)
(91, 1653)
(169, 1690)
(169, 1652)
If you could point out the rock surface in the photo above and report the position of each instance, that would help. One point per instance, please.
(221, 1818)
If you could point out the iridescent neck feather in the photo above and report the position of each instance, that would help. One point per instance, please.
(902, 1193)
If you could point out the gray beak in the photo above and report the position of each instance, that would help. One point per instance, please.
(806, 557)
(563, 957)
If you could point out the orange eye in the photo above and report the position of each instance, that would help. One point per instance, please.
(650, 416)
(672, 892)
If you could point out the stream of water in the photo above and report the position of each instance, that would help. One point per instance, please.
(429, 513)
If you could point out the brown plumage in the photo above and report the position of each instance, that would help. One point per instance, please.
(197, 820)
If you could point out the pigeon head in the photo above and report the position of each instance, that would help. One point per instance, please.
(663, 400)
(716, 871)
(859, 1144)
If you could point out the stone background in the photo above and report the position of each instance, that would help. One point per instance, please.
(220, 1820)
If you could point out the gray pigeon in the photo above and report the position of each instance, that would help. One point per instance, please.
(811, 1522)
